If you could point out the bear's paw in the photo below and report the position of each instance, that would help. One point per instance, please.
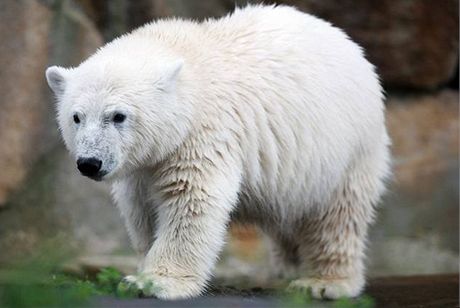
(163, 287)
(326, 288)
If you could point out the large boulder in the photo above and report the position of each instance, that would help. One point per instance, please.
(42, 192)
(419, 217)
(425, 134)
(33, 35)
(413, 43)
(55, 201)
(24, 28)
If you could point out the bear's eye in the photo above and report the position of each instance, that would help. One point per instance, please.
(76, 119)
(119, 118)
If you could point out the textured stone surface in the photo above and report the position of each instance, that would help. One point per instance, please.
(419, 218)
(43, 188)
(24, 27)
(56, 200)
(34, 35)
(424, 130)
(413, 43)
(73, 36)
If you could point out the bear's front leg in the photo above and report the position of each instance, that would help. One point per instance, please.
(131, 197)
(192, 217)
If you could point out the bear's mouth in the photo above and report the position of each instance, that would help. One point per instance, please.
(97, 177)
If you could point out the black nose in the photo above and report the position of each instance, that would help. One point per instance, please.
(89, 166)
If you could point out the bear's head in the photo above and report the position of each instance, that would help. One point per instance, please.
(117, 114)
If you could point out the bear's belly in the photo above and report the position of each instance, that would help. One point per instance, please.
(269, 211)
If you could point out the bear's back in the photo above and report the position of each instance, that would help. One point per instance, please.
(309, 104)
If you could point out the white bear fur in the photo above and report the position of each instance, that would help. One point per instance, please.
(267, 116)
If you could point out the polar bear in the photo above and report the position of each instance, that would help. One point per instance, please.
(266, 116)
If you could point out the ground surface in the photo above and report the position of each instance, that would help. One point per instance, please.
(415, 291)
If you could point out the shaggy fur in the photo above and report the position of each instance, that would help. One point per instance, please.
(267, 116)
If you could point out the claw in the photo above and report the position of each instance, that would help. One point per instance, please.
(141, 284)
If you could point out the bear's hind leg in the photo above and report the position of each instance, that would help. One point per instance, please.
(284, 256)
(333, 247)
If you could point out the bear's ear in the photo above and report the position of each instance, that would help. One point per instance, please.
(56, 76)
(170, 73)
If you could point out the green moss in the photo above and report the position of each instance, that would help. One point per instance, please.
(36, 282)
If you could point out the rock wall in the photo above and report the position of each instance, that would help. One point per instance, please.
(413, 43)
(22, 58)
(33, 35)
(40, 193)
